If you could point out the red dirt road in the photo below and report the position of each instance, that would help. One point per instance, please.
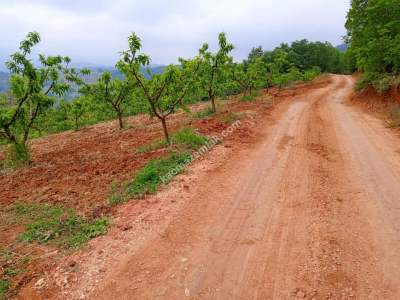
(310, 212)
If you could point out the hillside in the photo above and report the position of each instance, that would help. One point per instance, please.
(95, 73)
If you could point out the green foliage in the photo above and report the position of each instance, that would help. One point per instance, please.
(165, 92)
(188, 139)
(250, 75)
(33, 90)
(58, 225)
(185, 139)
(148, 179)
(214, 69)
(114, 92)
(204, 113)
(4, 286)
(379, 81)
(310, 75)
(373, 32)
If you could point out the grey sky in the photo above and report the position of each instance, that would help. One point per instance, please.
(96, 30)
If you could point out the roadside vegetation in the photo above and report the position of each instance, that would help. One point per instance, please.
(373, 34)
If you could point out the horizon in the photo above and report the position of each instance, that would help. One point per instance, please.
(264, 23)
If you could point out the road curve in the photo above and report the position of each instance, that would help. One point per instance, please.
(312, 212)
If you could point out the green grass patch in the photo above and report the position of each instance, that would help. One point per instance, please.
(251, 97)
(148, 179)
(203, 114)
(185, 139)
(45, 223)
(4, 286)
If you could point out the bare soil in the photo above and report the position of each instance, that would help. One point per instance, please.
(301, 202)
(77, 169)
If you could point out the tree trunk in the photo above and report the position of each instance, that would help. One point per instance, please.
(120, 122)
(212, 98)
(165, 129)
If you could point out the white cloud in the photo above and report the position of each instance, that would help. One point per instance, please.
(95, 31)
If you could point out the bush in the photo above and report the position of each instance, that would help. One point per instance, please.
(310, 75)
(383, 84)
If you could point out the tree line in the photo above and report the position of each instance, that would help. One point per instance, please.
(33, 106)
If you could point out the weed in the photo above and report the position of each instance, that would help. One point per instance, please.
(204, 113)
(63, 227)
(185, 139)
(153, 146)
(4, 286)
(148, 179)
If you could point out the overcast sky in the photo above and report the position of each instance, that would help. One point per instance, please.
(94, 31)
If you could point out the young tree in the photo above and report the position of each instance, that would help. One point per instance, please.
(250, 76)
(114, 92)
(33, 90)
(163, 92)
(213, 70)
(77, 109)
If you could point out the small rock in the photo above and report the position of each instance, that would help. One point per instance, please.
(187, 292)
(184, 259)
(127, 227)
(72, 264)
(40, 283)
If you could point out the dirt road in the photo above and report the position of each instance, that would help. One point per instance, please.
(311, 212)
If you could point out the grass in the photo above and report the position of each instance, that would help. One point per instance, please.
(185, 139)
(148, 179)
(4, 286)
(203, 114)
(45, 223)
(251, 97)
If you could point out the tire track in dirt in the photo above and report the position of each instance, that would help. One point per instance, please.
(309, 213)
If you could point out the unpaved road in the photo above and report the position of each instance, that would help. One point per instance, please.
(313, 211)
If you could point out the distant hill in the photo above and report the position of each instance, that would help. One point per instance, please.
(3, 81)
(342, 47)
(95, 73)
